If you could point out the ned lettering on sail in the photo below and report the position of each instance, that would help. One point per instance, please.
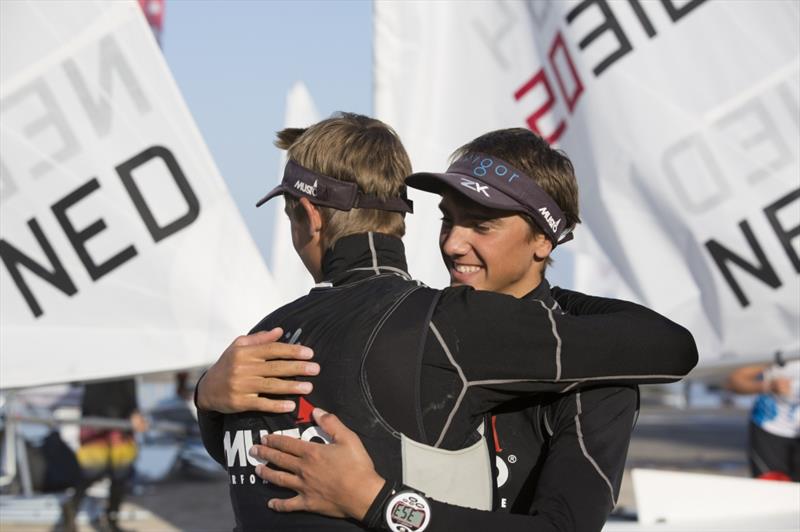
(63, 115)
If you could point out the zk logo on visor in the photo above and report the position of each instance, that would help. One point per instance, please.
(474, 185)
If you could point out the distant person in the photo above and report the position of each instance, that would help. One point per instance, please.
(774, 444)
(182, 388)
(106, 452)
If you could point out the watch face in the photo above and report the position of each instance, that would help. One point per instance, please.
(408, 512)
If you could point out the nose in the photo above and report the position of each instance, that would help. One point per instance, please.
(454, 241)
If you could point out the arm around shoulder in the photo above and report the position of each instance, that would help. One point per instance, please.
(643, 342)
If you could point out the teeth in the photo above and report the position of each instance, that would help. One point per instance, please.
(466, 269)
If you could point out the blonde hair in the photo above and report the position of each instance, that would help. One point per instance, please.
(354, 148)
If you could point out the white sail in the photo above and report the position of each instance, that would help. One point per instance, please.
(122, 251)
(681, 118)
(286, 266)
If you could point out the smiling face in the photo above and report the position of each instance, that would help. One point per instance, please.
(489, 249)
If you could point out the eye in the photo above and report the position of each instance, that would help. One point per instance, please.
(482, 227)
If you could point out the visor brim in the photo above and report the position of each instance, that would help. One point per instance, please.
(277, 191)
(468, 186)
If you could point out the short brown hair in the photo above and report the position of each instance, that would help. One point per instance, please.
(354, 148)
(550, 168)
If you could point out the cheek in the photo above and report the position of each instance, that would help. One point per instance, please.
(295, 236)
(509, 255)
(299, 236)
(444, 236)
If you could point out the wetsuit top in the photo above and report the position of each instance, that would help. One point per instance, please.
(559, 459)
(439, 371)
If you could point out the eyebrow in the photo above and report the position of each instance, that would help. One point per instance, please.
(470, 214)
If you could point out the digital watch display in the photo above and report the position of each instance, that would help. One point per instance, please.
(408, 511)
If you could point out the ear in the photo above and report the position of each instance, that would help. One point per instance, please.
(542, 247)
(313, 216)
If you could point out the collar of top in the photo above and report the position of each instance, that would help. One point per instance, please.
(363, 255)
(541, 293)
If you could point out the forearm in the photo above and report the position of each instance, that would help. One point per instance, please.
(619, 338)
(748, 380)
(622, 343)
(212, 432)
(447, 517)
(212, 429)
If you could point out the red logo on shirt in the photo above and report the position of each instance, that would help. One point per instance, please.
(304, 410)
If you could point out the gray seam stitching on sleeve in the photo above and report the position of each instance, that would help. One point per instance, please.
(555, 335)
(571, 386)
(464, 384)
(576, 380)
(547, 425)
(586, 453)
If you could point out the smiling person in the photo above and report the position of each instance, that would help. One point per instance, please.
(416, 371)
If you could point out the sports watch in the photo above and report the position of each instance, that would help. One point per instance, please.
(398, 508)
(407, 511)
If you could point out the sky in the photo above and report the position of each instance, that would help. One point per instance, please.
(235, 61)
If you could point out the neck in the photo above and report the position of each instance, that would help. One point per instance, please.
(526, 285)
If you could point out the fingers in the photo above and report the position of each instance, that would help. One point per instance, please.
(261, 349)
(295, 504)
(284, 387)
(287, 445)
(263, 404)
(332, 425)
(265, 345)
(254, 384)
(279, 478)
(259, 338)
(282, 368)
(272, 456)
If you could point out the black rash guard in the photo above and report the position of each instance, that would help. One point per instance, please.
(559, 459)
(468, 354)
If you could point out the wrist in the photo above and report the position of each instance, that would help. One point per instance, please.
(398, 508)
(364, 497)
(373, 519)
(199, 399)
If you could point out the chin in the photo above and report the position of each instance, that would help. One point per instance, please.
(474, 286)
(453, 283)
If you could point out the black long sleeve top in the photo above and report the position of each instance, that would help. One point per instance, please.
(480, 350)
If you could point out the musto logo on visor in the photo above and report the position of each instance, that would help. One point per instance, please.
(325, 191)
